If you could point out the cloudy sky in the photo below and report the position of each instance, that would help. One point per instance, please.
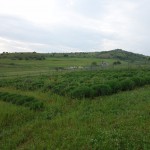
(74, 25)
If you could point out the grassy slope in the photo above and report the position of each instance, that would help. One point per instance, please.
(120, 121)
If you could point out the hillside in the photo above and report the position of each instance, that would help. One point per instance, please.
(118, 54)
(112, 54)
(121, 55)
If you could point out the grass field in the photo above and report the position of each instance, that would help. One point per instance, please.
(111, 121)
(35, 67)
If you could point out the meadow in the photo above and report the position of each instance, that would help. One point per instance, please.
(44, 105)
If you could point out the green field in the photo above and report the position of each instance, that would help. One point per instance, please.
(35, 67)
(44, 105)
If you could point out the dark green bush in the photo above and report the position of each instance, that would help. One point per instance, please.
(82, 92)
(139, 81)
(147, 79)
(36, 106)
(127, 84)
(68, 90)
(6, 97)
(101, 89)
(115, 86)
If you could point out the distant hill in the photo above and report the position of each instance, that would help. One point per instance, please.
(121, 55)
(118, 54)
(112, 54)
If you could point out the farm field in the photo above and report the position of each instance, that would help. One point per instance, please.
(10, 67)
(45, 106)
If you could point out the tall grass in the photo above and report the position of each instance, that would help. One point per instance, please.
(119, 121)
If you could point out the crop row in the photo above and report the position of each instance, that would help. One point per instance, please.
(26, 101)
(23, 83)
(109, 88)
(81, 85)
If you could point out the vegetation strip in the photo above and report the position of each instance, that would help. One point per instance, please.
(26, 101)
(97, 83)
(83, 84)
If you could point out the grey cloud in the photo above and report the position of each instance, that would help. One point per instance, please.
(20, 29)
(66, 36)
(126, 25)
(91, 8)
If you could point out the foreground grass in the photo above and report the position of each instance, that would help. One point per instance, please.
(120, 121)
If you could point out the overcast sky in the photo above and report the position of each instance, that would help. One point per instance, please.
(74, 25)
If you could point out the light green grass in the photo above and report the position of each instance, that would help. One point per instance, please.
(10, 68)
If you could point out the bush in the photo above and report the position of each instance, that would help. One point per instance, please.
(36, 106)
(127, 85)
(58, 89)
(115, 86)
(147, 79)
(139, 81)
(102, 89)
(82, 92)
(117, 63)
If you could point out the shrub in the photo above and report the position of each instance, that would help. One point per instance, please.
(147, 79)
(82, 92)
(115, 86)
(139, 81)
(127, 85)
(36, 106)
(102, 89)
(117, 63)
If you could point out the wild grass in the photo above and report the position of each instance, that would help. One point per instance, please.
(118, 121)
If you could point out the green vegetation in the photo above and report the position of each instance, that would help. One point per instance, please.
(65, 102)
(87, 84)
(26, 101)
(122, 55)
(117, 63)
(22, 56)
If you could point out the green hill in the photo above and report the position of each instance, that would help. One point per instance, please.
(121, 55)
(118, 54)
(112, 54)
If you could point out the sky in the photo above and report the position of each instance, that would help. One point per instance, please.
(74, 25)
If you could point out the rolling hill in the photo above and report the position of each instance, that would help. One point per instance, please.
(121, 55)
(118, 54)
